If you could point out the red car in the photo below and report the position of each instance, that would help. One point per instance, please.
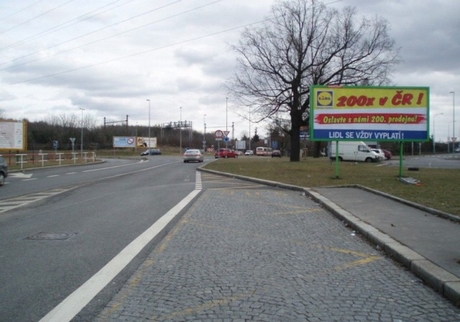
(225, 153)
(387, 154)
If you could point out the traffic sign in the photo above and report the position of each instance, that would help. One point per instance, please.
(226, 139)
(226, 133)
(219, 134)
(454, 139)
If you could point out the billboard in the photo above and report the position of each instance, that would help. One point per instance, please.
(146, 142)
(355, 113)
(13, 135)
(134, 142)
(124, 141)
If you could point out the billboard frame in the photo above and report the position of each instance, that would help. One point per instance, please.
(370, 113)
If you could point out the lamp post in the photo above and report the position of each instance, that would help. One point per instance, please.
(453, 124)
(148, 145)
(249, 119)
(81, 139)
(180, 131)
(204, 133)
(434, 131)
(226, 122)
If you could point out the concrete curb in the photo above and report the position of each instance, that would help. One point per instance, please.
(434, 276)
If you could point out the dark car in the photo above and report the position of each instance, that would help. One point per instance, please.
(3, 171)
(387, 153)
(151, 152)
(276, 153)
(225, 153)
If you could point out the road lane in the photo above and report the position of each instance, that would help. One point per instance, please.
(51, 247)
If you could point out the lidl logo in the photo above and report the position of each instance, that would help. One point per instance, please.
(324, 98)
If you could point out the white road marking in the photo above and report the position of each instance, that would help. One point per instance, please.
(76, 301)
(20, 175)
(112, 167)
(53, 175)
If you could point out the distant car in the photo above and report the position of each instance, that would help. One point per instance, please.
(239, 152)
(225, 153)
(457, 150)
(249, 152)
(379, 153)
(387, 153)
(193, 155)
(3, 171)
(276, 153)
(151, 152)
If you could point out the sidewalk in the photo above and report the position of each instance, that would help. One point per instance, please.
(426, 243)
(424, 240)
(256, 252)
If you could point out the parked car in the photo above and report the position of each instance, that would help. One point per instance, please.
(193, 155)
(225, 153)
(276, 153)
(387, 153)
(239, 152)
(249, 152)
(151, 152)
(379, 153)
(3, 171)
(352, 151)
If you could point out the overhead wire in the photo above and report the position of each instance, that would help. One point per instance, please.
(20, 10)
(138, 53)
(105, 38)
(67, 24)
(40, 15)
(89, 33)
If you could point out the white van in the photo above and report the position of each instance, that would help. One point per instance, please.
(352, 151)
(263, 151)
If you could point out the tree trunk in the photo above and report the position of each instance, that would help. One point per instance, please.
(295, 139)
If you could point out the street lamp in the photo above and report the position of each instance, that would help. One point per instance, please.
(148, 145)
(434, 131)
(204, 133)
(226, 122)
(249, 119)
(81, 143)
(453, 124)
(180, 131)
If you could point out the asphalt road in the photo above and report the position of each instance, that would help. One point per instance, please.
(60, 226)
(440, 161)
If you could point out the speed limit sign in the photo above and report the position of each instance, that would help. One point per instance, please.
(218, 135)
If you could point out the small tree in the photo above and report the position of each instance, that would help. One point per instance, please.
(307, 43)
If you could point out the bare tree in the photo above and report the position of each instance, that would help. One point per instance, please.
(306, 43)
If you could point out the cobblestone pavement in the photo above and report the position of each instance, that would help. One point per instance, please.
(253, 253)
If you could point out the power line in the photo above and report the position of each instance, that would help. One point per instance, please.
(139, 53)
(20, 10)
(40, 15)
(66, 24)
(105, 38)
(92, 32)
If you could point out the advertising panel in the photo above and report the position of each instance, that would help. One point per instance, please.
(133, 142)
(13, 135)
(145, 142)
(124, 141)
(394, 114)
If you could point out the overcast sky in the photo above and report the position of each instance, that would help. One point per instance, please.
(108, 57)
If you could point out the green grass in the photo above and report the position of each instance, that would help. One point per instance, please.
(438, 188)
